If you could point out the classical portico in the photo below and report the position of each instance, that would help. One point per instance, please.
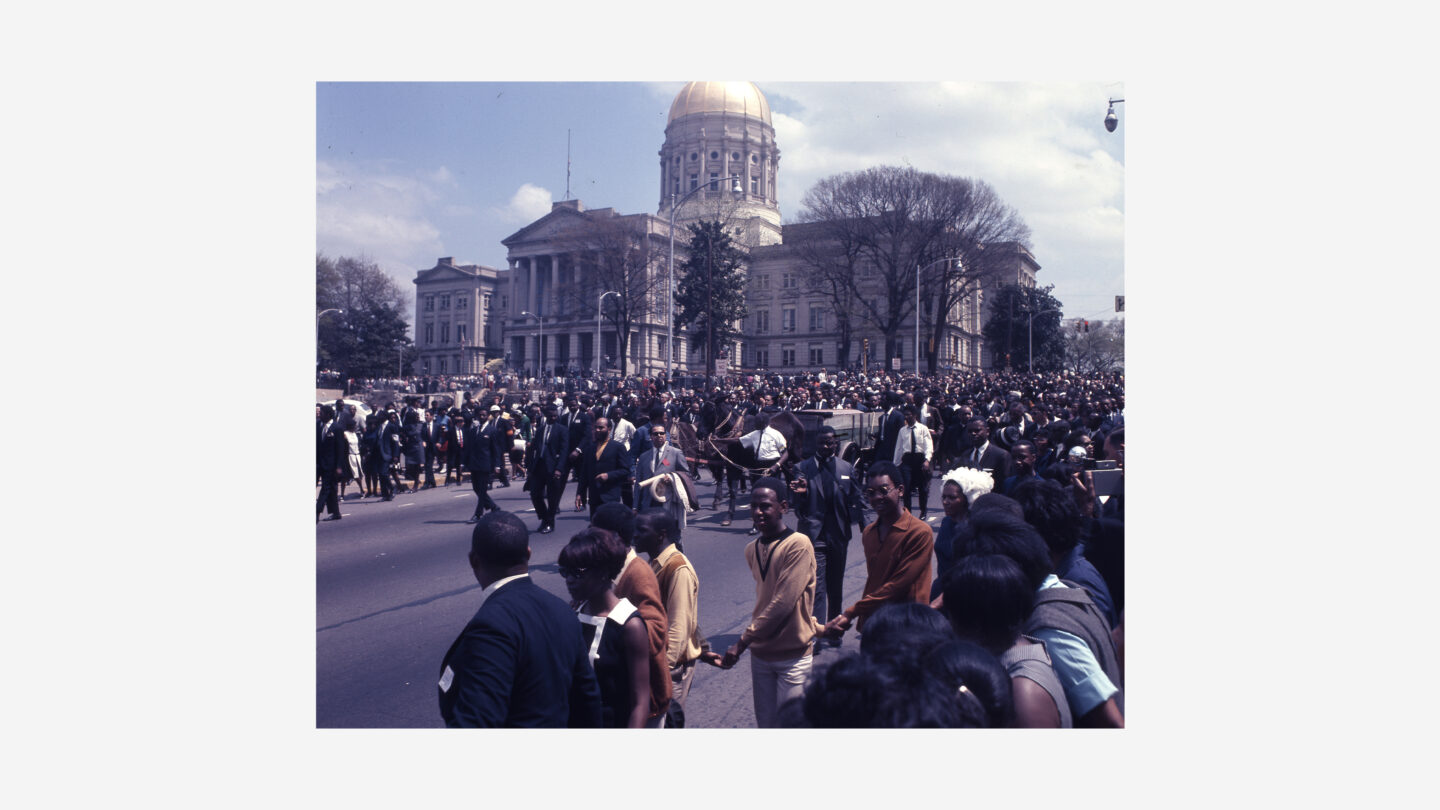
(553, 288)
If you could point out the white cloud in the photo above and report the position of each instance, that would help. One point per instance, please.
(529, 203)
(381, 213)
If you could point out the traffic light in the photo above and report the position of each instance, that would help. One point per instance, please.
(1087, 325)
(1119, 303)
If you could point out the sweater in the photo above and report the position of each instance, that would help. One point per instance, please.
(638, 584)
(680, 589)
(783, 622)
(897, 570)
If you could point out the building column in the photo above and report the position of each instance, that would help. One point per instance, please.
(554, 280)
(530, 277)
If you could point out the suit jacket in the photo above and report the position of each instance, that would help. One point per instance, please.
(389, 446)
(671, 460)
(578, 426)
(614, 460)
(994, 460)
(844, 506)
(331, 448)
(520, 662)
(481, 454)
(545, 455)
(890, 425)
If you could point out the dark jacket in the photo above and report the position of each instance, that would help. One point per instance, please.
(480, 453)
(844, 508)
(616, 460)
(520, 662)
(545, 455)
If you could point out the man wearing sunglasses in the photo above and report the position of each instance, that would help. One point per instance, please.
(897, 551)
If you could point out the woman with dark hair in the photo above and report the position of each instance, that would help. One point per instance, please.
(988, 598)
(904, 632)
(859, 691)
(613, 630)
(982, 686)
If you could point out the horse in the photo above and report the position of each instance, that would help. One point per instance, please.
(726, 458)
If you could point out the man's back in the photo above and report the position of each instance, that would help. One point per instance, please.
(520, 662)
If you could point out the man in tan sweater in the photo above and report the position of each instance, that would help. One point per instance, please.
(655, 534)
(783, 624)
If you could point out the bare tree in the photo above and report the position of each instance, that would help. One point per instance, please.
(1098, 349)
(833, 269)
(986, 237)
(620, 255)
(870, 231)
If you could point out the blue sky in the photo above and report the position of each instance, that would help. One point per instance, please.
(409, 172)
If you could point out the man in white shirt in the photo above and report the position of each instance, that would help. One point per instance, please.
(913, 451)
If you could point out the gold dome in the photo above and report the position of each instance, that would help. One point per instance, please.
(739, 98)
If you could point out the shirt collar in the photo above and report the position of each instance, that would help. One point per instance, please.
(497, 584)
(664, 556)
(629, 557)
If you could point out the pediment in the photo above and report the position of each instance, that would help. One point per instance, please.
(443, 273)
(561, 223)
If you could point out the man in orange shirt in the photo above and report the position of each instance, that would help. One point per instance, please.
(897, 551)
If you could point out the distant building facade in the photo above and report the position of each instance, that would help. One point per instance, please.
(717, 133)
(455, 330)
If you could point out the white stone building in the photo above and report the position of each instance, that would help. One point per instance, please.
(720, 150)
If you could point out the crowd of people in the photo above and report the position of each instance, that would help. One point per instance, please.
(1011, 613)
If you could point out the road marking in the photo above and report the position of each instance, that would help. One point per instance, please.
(462, 496)
(403, 505)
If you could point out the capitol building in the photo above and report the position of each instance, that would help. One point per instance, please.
(540, 311)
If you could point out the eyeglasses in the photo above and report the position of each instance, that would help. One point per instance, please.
(877, 491)
(573, 573)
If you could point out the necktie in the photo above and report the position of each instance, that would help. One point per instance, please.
(912, 438)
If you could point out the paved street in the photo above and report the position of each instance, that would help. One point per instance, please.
(394, 589)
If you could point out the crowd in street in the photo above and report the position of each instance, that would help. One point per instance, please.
(1009, 613)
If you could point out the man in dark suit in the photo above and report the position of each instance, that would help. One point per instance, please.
(890, 425)
(604, 467)
(389, 451)
(521, 661)
(432, 435)
(577, 421)
(546, 462)
(481, 459)
(982, 455)
(827, 502)
(331, 454)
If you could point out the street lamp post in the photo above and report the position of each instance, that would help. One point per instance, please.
(540, 345)
(320, 315)
(918, 268)
(1111, 119)
(1030, 336)
(599, 310)
(670, 313)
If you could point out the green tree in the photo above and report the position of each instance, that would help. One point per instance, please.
(370, 338)
(1007, 328)
(710, 292)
